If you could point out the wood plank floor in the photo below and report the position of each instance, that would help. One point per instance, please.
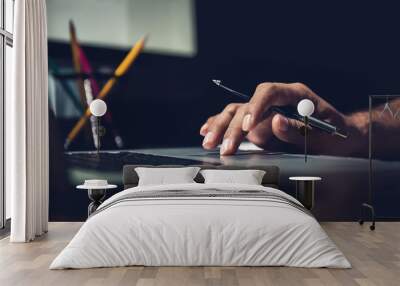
(375, 257)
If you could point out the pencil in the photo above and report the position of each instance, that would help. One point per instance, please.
(120, 71)
(312, 121)
(77, 63)
(93, 89)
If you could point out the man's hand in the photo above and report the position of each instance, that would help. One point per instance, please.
(247, 120)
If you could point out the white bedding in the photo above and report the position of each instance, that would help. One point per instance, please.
(183, 231)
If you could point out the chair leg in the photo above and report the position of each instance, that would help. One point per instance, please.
(361, 220)
(372, 210)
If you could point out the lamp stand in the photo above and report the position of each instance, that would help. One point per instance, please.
(305, 138)
(368, 206)
(98, 134)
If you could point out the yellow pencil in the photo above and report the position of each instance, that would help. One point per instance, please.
(121, 70)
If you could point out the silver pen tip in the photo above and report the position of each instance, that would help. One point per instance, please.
(216, 81)
(344, 136)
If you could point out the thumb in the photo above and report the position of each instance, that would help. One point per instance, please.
(287, 130)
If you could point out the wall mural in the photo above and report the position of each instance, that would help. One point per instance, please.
(141, 88)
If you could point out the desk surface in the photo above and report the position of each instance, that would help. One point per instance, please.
(344, 185)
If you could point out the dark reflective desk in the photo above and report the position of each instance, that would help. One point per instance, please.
(345, 180)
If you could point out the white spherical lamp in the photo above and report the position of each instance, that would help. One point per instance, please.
(98, 107)
(305, 107)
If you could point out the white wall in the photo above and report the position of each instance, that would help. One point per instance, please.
(170, 24)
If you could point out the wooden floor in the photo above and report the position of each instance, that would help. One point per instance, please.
(375, 257)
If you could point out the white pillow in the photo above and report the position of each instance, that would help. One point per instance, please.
(248, 177)
(164, 176)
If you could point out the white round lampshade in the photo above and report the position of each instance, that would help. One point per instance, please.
(305, 107)
(98, 107)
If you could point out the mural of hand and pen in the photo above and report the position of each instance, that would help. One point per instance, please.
(240, 121)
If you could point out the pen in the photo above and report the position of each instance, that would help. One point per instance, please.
(285, 111)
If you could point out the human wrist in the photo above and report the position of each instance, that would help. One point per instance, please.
(357, 126)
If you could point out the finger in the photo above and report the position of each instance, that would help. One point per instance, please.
(234, 134)
(204, 128)
(217, 128)
(262, 134)
(272, 94)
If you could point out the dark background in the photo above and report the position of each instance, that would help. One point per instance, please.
(342, 50)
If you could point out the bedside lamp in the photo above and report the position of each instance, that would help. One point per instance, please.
(98, 108)
(305, 108)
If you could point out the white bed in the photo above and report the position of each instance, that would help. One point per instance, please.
(245, 225)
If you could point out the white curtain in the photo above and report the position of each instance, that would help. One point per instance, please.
(27, 124)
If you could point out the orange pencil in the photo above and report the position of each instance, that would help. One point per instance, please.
(120, 71)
